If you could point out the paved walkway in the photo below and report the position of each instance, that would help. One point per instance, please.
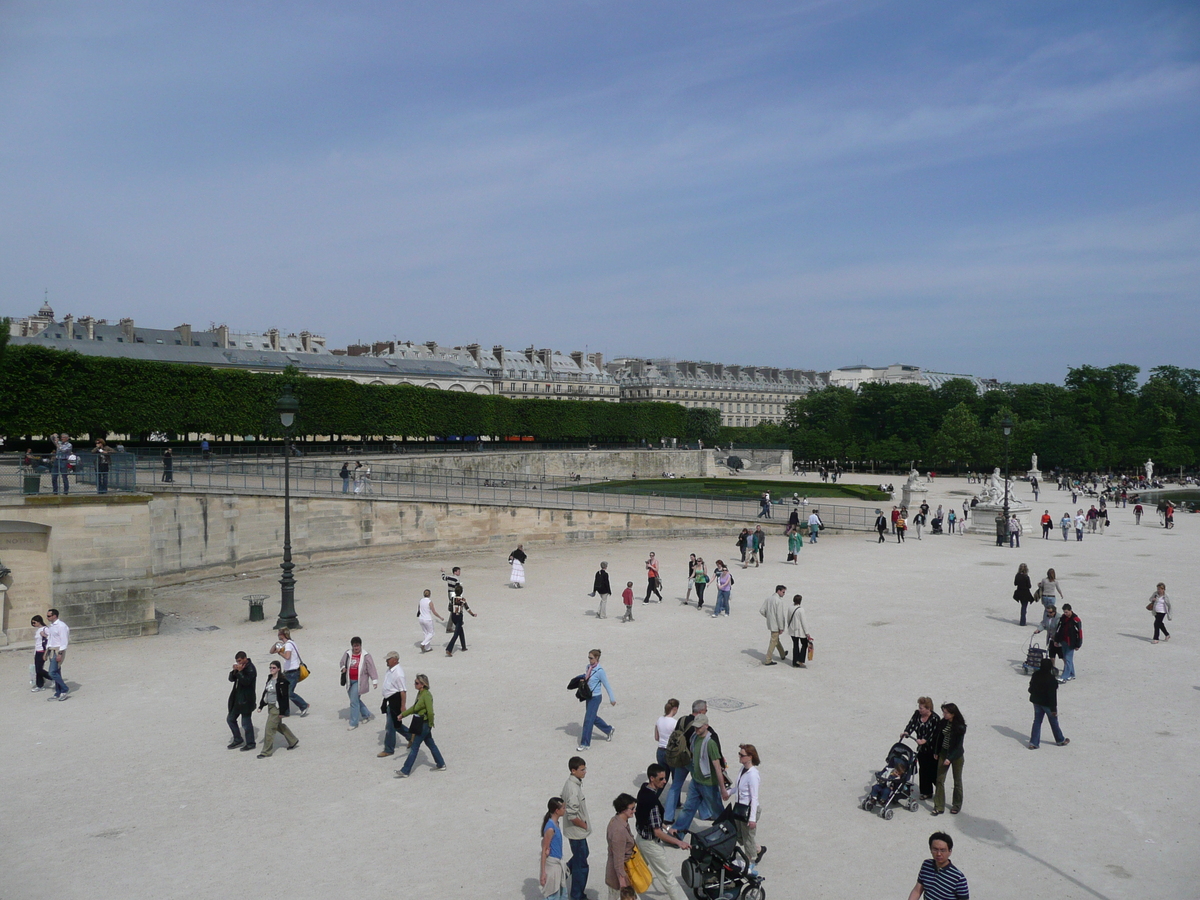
(127, 790)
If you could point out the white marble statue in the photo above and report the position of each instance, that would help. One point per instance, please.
(1034, 467)
(914, 478)
(1149, 470)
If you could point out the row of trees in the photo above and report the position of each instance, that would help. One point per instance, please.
(44, 390)
(1099, 418)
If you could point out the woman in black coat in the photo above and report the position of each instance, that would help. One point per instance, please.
(1043, 694)
(1024, 589)
(949, 743)
(924, 727)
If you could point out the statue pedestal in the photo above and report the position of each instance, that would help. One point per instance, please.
(1034, 473)
(983, 517)
(913, 495)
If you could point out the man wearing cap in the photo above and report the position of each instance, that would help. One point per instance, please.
(394, 694)
(708, 779)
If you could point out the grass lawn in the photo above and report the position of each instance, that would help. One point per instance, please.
(732, 488)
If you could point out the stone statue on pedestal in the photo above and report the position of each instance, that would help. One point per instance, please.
(1034, 468)
(1149, 470)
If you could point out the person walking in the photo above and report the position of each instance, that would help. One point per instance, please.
(950, 758)
(1047, 524)
(652, 836)
(1137, 515)
(241, 701)
(1021, 589)
(662, 732)
(275, 699)
(752, 548)
(798, 631)
(1065, 524)
(940, 879)
(421, 727)
(58, 636)
(358, 676)
(459, 609)
(795, 538)
(425, 616)
(881, 525)
(724, 579)
(919, 520)
(925, 727)
(168, 464)
(745, 808)
(394, 696)
(700, 576)
(691, 577)
(1048, 587)
(743, 544)
(344, 474)
(814, 526)
(596, 680)
(601, 586)
(285, 647)
(1043, 694)
(901, 526)
(653, 584)
(1014, 532)
(103, 464)
(679, 757)
(775, 613)
(1070, 639)
(1080, 522)
(577, 825)
(1160, 605)
(40, 635)
(760, 544)
(517, 558)
(627, 602)
(552, 875)
(620, 846)
(708, 777)
(1049, 625)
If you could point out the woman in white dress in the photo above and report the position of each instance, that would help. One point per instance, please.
(517, 558)
(425, 614)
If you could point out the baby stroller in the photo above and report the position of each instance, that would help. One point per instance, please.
(888, 790)
(717, 868)
(935, 525)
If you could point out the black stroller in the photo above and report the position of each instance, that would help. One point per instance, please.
(717, 868)
(889, 790)
(935, 525)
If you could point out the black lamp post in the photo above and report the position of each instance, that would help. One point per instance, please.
(1006, 425)
(286, 406)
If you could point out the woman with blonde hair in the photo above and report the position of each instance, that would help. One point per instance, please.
(922, 728)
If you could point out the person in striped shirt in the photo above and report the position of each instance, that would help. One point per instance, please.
(940, 879)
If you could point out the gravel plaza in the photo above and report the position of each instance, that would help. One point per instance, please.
(127, 790)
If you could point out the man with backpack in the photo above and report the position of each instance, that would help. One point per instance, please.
(1070, 639)
(679, 756)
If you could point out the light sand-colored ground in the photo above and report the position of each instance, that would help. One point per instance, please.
(127, 790)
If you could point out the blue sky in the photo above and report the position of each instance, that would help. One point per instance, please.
(1002, 189)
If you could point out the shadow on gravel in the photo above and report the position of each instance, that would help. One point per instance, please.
(1136, 637)
(995, 834)
(1018, 736)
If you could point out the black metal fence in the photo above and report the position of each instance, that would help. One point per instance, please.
(88, 474)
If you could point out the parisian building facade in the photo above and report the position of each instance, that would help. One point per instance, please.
(744, 395)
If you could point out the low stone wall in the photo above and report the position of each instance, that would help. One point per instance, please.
(205, 535)
(88, 556)
(561, 463)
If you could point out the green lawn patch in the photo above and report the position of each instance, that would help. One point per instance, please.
(732, 489)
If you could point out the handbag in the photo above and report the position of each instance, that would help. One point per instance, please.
(578, 684)
(303, 672)
(740, 811)
(638, 873)
(343, 677)
(1150, 606)
(417, 725)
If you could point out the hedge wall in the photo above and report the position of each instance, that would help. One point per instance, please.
(44, 390)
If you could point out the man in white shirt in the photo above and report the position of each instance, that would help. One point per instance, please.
(58, 635)
(394, 695)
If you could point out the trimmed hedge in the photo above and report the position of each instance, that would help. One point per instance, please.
(44, 390)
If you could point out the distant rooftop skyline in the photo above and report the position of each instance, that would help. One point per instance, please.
(1002, 189)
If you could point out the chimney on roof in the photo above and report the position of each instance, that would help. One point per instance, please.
(89, 326)
(547, 357)
(222, 335)
(127, 330)
(381, 347)
(306, 341)
(530, 354)
(185, 334)
(577, 358)
(432, 345)
(498, 352)
(597, 360)
(358, 350)
(476, 353)
(68, 326)
(273, 336)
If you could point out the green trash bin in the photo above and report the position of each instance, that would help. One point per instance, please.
(256, 606)
(32, 484)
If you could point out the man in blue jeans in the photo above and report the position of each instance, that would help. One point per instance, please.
(394, 696)
(708, 779)
(1070, 639)
(576, 826)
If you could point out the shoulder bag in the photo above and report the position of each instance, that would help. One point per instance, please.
(639, 874)
(417, 725)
